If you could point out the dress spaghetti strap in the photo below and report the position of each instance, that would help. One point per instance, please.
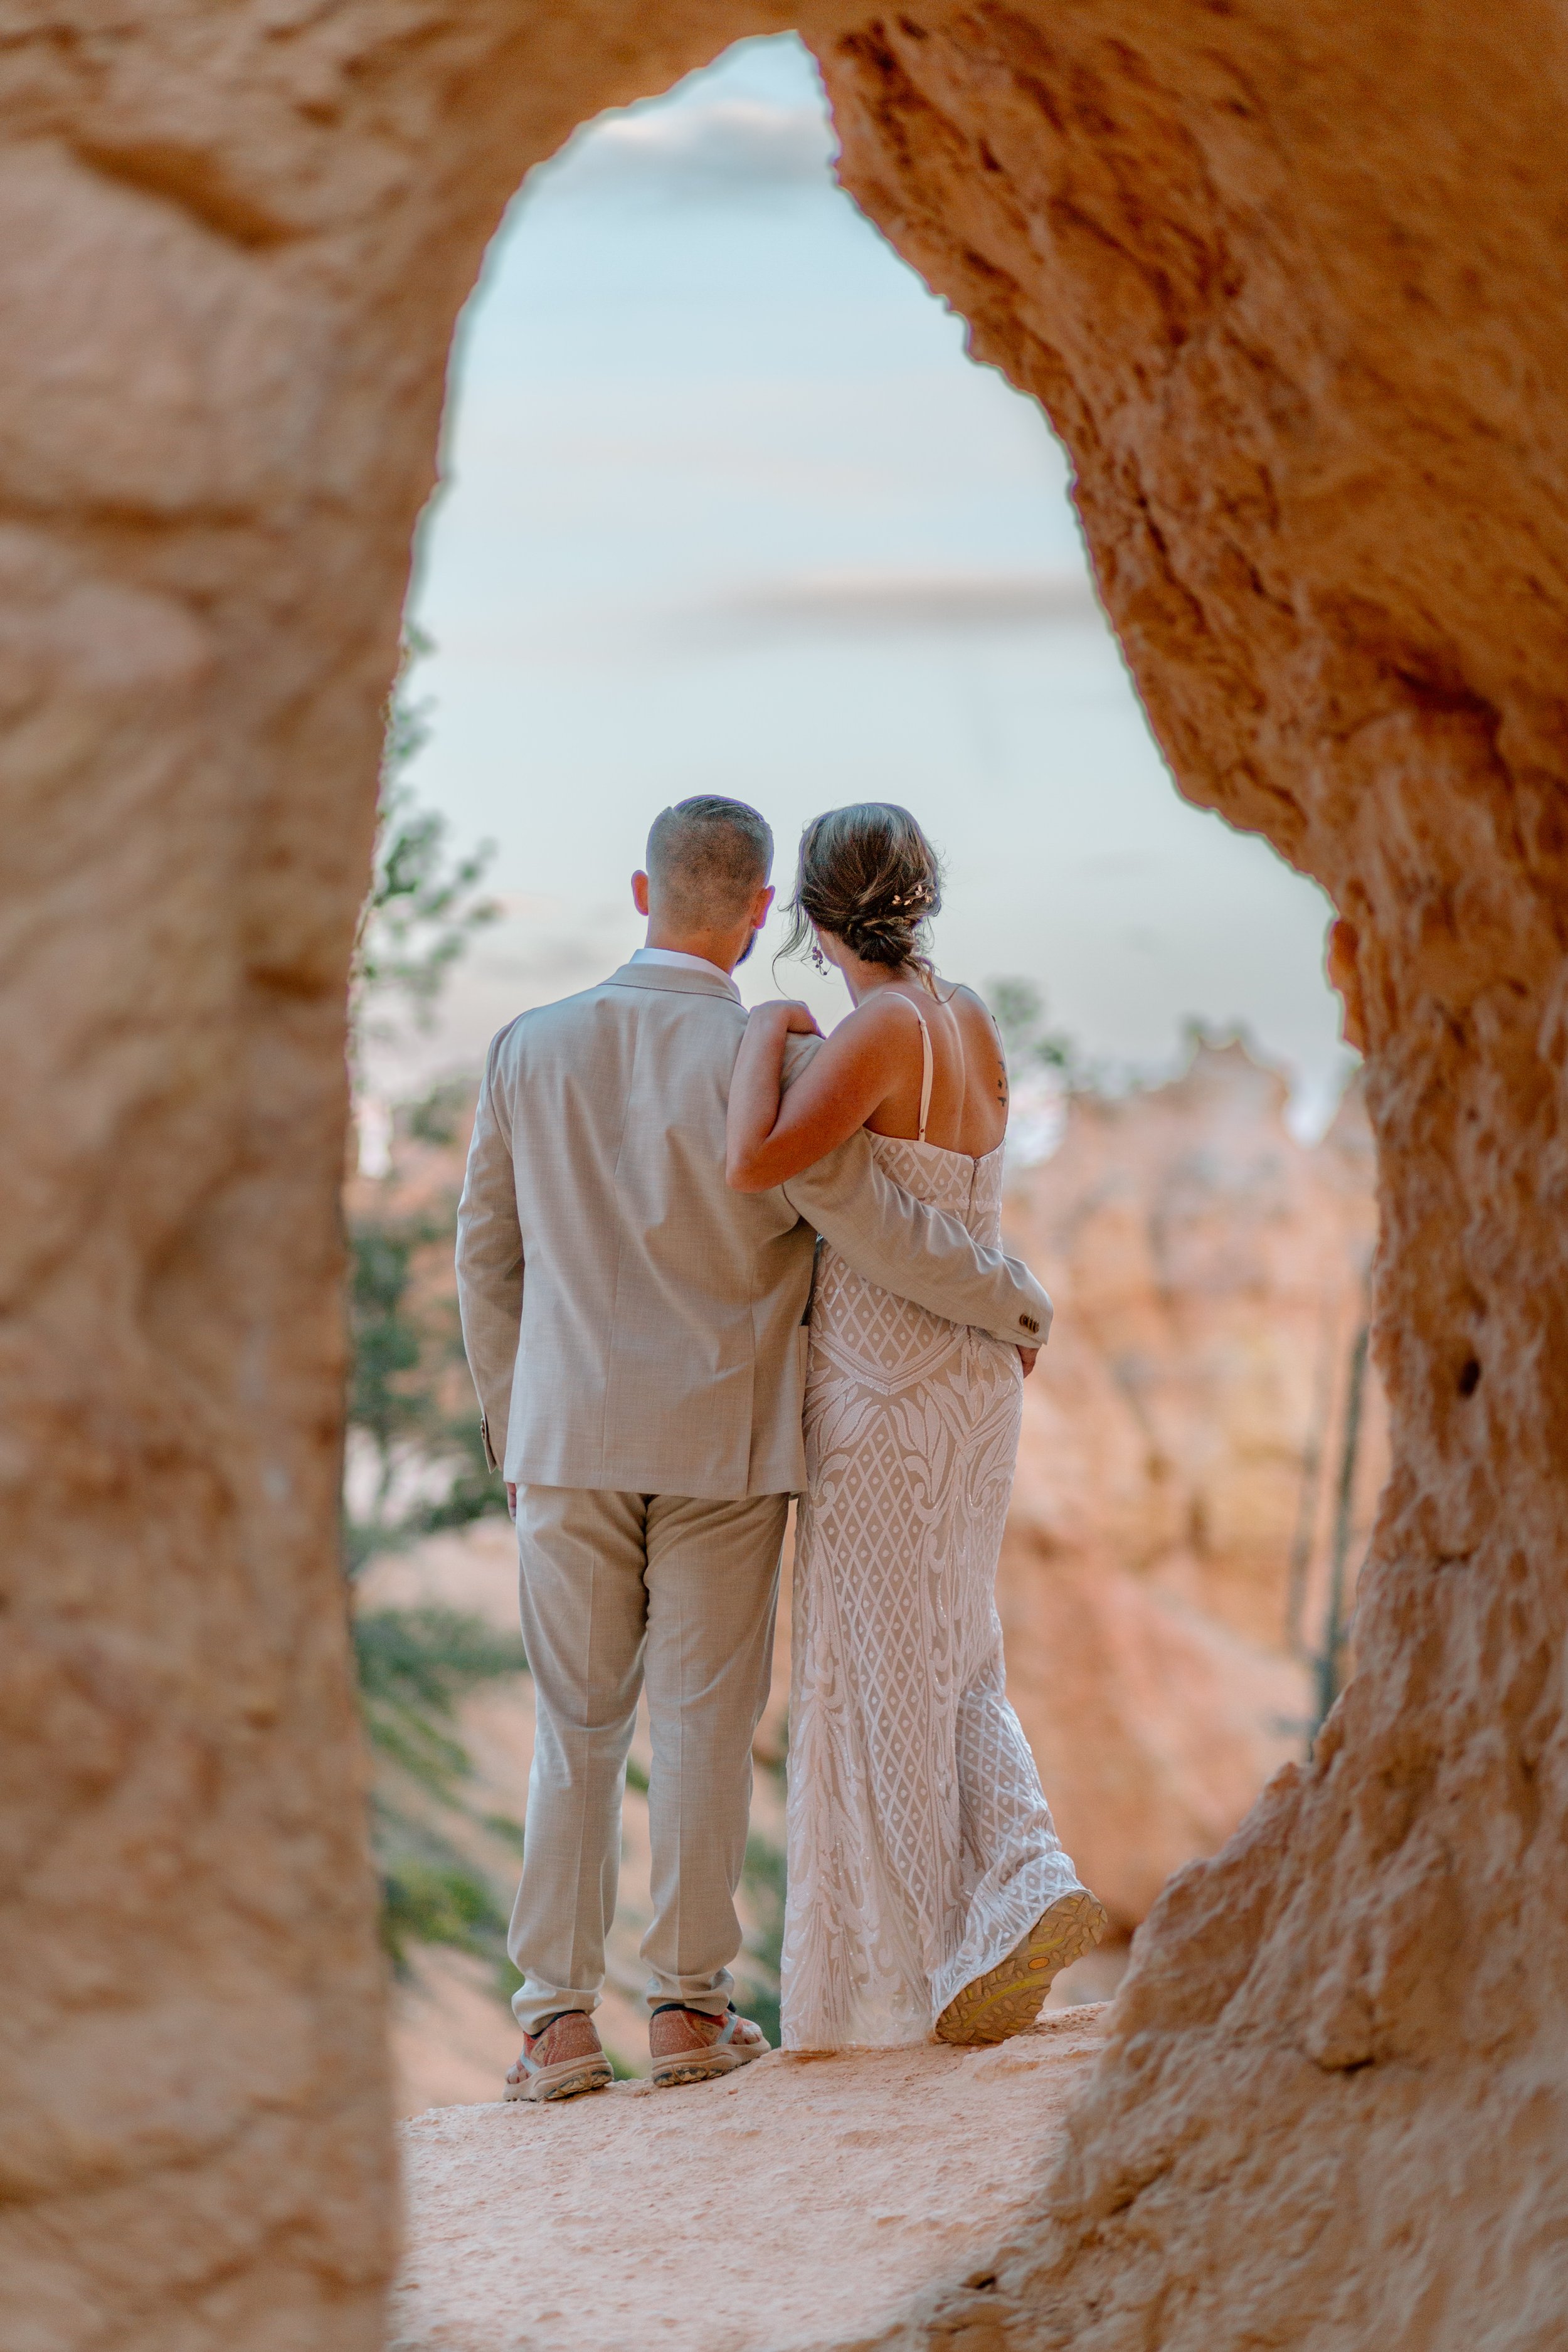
(927, 1065)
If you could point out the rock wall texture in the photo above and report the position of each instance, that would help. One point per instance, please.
(233, 244)
(1288, 280)
(1280, 278)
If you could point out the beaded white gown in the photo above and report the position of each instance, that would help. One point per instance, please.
(921, 1846)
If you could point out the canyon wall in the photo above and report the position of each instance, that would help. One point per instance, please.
(1288, 280)
(232, 245)
(1279, 277)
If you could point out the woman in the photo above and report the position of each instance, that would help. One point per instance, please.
(927, 1886)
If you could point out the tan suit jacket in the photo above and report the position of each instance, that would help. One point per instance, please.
(632, 1323)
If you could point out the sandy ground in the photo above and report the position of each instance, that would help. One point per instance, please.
(785, 2210)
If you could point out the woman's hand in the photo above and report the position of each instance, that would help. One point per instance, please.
(799, 1021)
(755, 1086)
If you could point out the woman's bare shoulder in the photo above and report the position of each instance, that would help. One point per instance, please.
(970, 1007)
(878, 1031)
(884, 1013)
(983, 1047)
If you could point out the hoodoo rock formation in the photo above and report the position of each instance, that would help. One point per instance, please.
(1288, 280)
(1164, 1587)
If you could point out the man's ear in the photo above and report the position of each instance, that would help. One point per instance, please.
(761, 904)
(639, 891)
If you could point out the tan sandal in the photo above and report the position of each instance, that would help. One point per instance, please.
(683, 2053)
(1009, 1998)
(581, 2067)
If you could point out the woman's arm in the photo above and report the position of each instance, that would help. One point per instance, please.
(771, 1139)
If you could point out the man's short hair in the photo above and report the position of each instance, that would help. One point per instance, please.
(706, 857)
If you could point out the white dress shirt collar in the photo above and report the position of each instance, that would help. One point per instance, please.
(678, 958)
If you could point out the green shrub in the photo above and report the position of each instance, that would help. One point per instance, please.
(422, 1903)
(409, 1393)
(413, 1666)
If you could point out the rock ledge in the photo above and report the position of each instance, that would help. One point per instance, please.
(799, 2207)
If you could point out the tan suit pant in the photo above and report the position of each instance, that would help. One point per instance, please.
(620, 1592)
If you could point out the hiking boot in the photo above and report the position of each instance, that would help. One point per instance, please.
(1007, 1998)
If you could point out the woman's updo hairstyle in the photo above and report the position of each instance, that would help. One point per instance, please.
(868, 874)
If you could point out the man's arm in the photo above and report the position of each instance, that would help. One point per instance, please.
(490, 1267)
(915, 1251)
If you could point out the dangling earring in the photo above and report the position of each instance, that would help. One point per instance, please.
(817, 958)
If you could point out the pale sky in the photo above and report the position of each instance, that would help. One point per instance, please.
(727, 509)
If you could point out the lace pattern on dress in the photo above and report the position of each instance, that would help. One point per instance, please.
(921, 1846)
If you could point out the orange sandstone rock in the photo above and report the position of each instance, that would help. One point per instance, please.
(1285, 301)
(1289, 282)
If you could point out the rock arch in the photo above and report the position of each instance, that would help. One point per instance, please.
(1287, 281)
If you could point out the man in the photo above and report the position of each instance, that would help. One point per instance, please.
(637, 1336)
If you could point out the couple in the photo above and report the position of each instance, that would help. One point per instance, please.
(659, 1369)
